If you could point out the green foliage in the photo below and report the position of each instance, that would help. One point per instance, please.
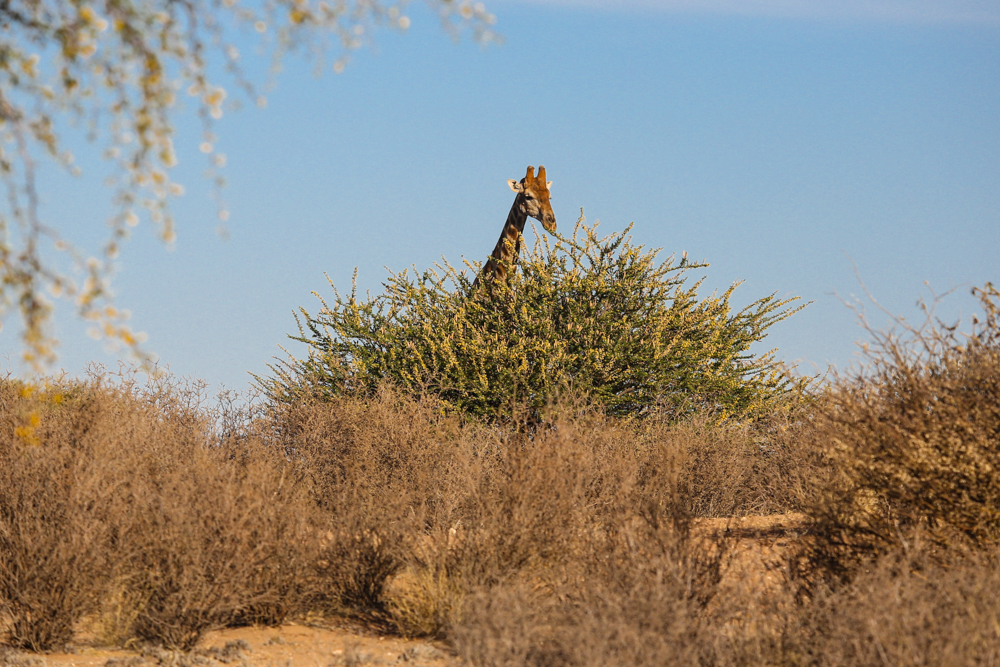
(595, 315)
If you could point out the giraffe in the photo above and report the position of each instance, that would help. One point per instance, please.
(532, 199)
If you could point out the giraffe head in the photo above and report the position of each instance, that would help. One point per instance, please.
(535, 197)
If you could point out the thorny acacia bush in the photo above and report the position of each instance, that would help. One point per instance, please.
(596, 316)
(911, 441)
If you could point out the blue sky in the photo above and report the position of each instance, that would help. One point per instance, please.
(782, 142)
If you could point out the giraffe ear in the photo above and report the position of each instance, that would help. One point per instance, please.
(548, 186)
(515, 185)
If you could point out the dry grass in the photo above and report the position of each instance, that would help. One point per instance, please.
(118, 499)
(159, 515)
(383, 508)
(910, 446)
(906, 608)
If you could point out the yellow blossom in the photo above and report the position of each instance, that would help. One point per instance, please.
(30, 65)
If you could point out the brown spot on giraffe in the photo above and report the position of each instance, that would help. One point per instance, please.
(532, 200)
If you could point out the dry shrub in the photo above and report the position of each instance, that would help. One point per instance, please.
(219, 534)
(374, 467)
(216, 543)
(742, 468)
(564, 538)
(531, 499)
(621, 580)
(907, 608)
(911, 441)
(650, 623)
(423, 509)
(507, 625)
(118, 495)
(517, 507)
(573, 536)
(167, 517)
(57, 509)
(422, 600)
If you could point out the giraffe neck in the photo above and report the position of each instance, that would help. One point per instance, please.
(509, 244)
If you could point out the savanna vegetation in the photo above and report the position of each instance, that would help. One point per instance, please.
(565, 523)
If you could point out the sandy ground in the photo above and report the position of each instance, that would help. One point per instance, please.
(758, 545)
(295, 644)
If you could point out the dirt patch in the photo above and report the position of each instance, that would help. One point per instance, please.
(291, 644)
(758, 548)
(756, 569)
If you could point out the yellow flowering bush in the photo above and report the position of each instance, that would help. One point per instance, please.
(592, 315)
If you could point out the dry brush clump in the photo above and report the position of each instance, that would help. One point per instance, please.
(426, 511)
(584, 509)
(56, 511)
(911, 444)
(215, 543)
(161, 516)
(743, 468)
(907, 607)
(634, 580)
(373, 468)
(116, 498)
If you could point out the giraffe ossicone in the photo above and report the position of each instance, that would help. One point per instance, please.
(532, 200)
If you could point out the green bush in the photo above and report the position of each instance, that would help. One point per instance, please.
(596, 315)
